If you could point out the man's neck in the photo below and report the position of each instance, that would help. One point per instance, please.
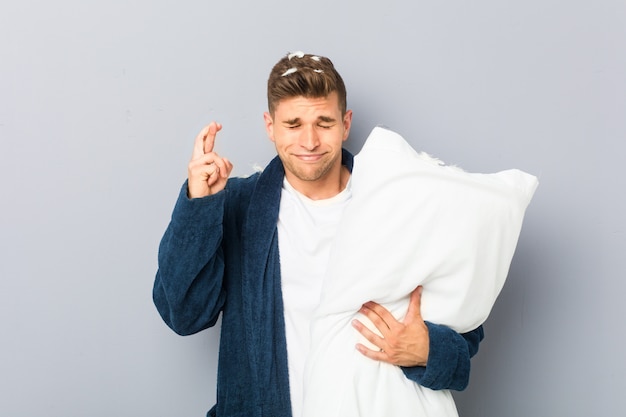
(322, 189)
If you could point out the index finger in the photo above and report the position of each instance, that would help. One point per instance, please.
(205, 141)
(378, 315)
(209, 140)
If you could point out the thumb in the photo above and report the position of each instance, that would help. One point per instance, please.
(415, 303)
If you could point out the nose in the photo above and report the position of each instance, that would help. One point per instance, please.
(309, 139)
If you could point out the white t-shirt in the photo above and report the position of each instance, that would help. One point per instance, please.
(306, 229)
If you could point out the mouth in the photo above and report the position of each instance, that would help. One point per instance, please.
(309, 157)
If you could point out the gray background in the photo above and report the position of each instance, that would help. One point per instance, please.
(99, 106)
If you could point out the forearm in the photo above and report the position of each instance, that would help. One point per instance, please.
(448, 365)
(188, 285)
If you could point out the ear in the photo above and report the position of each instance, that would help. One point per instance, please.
(347, 122)
(269, 125)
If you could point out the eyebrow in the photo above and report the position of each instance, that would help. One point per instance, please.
(295, 121)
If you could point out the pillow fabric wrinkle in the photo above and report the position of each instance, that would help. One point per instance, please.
(411, 221)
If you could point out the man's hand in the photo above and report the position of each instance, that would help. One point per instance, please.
(208, 172)
(403, 343)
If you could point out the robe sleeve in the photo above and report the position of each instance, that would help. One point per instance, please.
(188, 288)
(449, 356)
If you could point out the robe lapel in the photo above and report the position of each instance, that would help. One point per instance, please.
(262, 295)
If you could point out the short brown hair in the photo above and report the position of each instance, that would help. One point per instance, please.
(299, 74)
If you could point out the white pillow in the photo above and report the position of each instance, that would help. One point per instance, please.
(411, 221)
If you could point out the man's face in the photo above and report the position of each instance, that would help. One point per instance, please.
(308, 134)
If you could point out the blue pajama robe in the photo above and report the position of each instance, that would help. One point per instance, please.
(219, 254)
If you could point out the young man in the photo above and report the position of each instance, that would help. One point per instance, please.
(255, 250)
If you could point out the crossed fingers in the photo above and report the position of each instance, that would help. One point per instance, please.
(207, 170)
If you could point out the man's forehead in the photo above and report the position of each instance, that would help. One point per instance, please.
(318, 107)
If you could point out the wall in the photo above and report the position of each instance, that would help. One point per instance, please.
(99, 105)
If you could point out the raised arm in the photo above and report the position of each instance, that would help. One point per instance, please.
(188, 289)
